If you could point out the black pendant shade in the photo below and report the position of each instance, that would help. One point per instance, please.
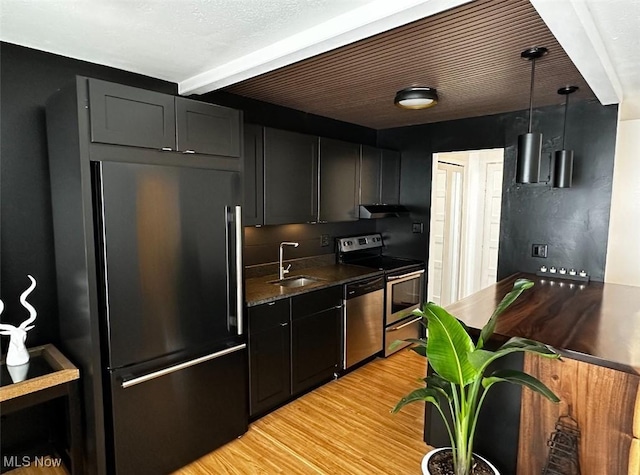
(530, 144)
(528, 162)
(563, 163)
(563, 169)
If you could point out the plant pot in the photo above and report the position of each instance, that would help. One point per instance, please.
(429, 455)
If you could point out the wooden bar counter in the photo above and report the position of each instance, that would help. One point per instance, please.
(596, 328)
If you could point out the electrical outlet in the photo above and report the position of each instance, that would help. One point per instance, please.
(324, 240)
(539, 250)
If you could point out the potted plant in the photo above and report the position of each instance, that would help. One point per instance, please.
(459, 382)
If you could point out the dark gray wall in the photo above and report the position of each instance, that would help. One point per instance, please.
(574, 222)
(27, 79)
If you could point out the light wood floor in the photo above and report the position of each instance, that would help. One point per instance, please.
(344, 427)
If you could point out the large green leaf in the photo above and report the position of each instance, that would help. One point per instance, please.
(519, 286)
(523, 379)
(440, 384)
(422, 394)
(448, 346)
(480, 359)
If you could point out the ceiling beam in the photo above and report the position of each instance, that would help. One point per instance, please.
(363, 22)
(571, 22)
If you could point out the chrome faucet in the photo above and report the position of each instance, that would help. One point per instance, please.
(281, 270)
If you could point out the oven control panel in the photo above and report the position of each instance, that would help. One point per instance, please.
(358, 243)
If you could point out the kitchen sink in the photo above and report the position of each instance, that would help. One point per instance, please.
(298, 281)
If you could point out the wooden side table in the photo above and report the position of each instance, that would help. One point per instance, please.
(50, 376)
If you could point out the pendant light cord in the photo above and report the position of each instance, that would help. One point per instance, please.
(533, 73)
(564, 126)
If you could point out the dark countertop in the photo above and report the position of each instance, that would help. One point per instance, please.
(258, 289)
(596, 322)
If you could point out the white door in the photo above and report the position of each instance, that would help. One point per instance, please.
(466, 199)
(491, 224)
(446, 232)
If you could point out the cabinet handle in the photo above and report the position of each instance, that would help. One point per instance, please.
(399, 327)
(338, 306)
(189, 151)
(172, 369)
(166, 149)
(284, 324)
(271, 303)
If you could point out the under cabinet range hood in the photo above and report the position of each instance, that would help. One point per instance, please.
(382, 211)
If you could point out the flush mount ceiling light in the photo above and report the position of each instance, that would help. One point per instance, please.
(530, 144)
(416, 98)
(563, 167)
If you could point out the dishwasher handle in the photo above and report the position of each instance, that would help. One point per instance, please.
(362, 287)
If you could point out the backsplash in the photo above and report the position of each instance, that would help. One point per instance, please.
(271, 268)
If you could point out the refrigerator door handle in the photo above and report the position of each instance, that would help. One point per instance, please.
(239, 270)
(127, 383)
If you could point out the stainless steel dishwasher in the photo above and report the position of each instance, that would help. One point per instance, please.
(363, 322)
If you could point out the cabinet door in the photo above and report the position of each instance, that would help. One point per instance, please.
(269, 356)
(124, 115)
(253, 175)
(315, 339)
(370, 176)
(291, 177)
(339, 167)
(390, 177)
(207, 128)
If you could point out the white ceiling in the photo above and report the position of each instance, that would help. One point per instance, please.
(205, 45)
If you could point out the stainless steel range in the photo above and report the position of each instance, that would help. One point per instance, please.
(404, 284)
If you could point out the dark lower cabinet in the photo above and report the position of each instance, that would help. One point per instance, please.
(294, 345)
(269, 356)
(315, 338)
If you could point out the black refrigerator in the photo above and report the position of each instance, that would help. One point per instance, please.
(169, 266)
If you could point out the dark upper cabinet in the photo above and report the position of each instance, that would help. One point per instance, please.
(291, 177)
(315, 338)
(339, 175)
(379, 176)
(269, 356)
(390, 177)
(370, 175)
(207, 128)
(124, 115)
(253, 176)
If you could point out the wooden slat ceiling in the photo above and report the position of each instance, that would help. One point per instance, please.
(470, 54)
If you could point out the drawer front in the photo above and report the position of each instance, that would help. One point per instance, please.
(268, 315)
(315, 302)
(402, 330)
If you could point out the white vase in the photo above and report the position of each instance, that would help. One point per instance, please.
(427, 457)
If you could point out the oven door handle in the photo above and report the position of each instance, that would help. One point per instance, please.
(405, 276)
(400, 327)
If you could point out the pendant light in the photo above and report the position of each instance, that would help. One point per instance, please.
(416, 97)
(530, 144)
(563, 166)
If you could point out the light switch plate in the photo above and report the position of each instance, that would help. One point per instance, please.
(539, 250)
